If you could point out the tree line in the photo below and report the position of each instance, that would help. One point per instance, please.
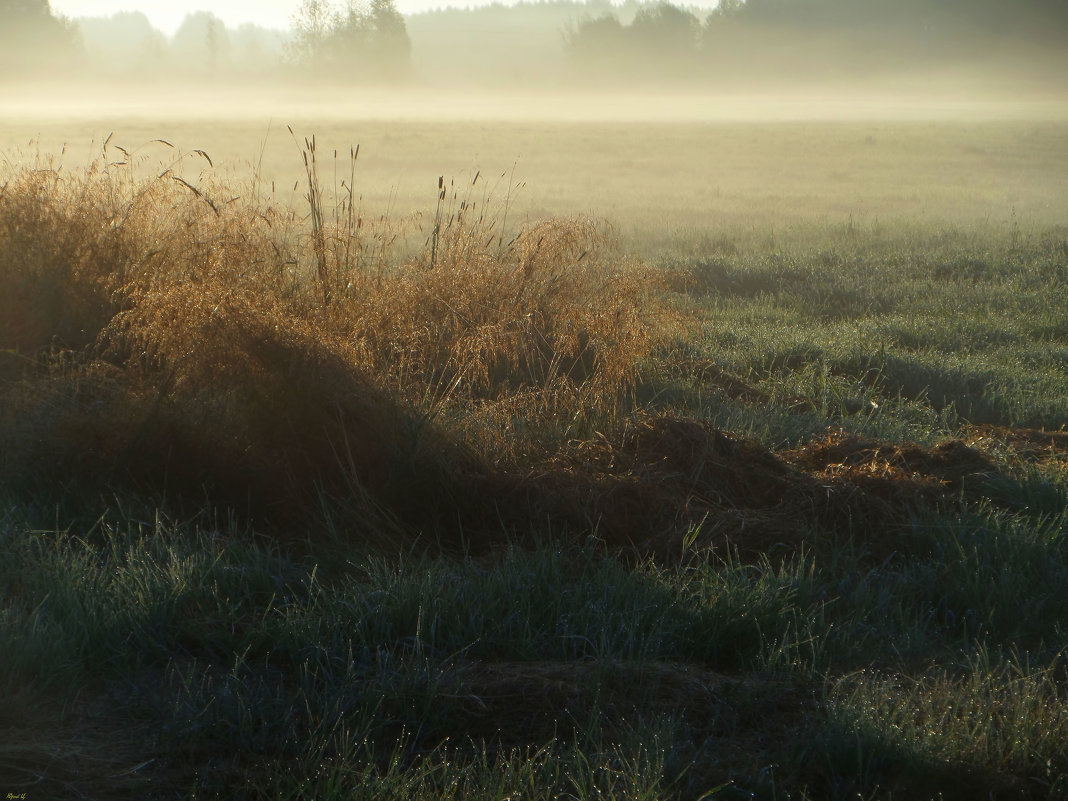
(32, 38)
(352, 43)
(364, 41)
(743, 35)
(359, 41)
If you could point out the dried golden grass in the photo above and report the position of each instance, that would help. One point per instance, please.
(158, 333)
(903, 474)
(555, 305)
(51, 260)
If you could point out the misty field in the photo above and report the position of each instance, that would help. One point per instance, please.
(722, 458)
(765, 170)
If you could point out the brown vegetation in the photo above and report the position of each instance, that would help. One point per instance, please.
(160, 336)
(157, 335)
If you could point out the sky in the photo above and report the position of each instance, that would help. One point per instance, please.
(167, 16)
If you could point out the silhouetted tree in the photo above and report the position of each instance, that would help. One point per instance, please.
(33, 39)
(392, 48)
(311, 28)
(202, 40)
(665, 31)
(597, 45)
(660, 40)
(728, 8)
(854, 39)
(996, 16)
(354, 43)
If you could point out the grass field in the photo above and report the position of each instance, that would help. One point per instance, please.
(767, 170)
(721, 460)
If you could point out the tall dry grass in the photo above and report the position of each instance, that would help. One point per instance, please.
(167, 334)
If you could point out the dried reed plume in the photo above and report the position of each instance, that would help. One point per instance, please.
(163, 333)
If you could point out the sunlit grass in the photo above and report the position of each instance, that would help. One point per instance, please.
(294, 510)
(758, 183)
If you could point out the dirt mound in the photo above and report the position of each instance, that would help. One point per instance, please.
(643, 488)
(1029, 444)
(663, 477)
(905, 475)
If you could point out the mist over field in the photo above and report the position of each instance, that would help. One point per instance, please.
(981, 47)
(669, 122)
(422, 94)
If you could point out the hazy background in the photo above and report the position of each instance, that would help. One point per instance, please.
(674, 122)
(986, 46)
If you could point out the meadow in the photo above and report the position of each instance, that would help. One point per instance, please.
(668, 173)
(715, 458)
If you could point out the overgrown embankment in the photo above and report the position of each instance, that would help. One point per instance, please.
(167, 339)
(178, 342)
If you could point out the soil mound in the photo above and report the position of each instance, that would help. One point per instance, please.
(1028, 444)
(645, 487)
(663, 478)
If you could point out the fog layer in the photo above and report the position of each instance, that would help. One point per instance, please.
(771, 46)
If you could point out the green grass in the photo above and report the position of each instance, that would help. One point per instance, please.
(905, 341)
(557, 671)
(287, 515)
